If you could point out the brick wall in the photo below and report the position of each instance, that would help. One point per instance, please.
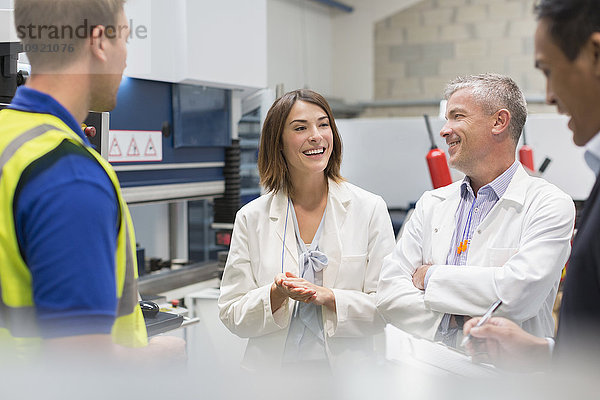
(418, 50)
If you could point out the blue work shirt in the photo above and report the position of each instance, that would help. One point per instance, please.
(66, 216)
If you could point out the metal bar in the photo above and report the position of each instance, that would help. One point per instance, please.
(187, 321)
(178, 191)
(400, 103)
(428, 102)
(169, 280)
(178, 230)
(149, 167)
(205, 218)
(336, 4)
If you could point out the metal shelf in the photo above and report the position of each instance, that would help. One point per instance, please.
(164, 281)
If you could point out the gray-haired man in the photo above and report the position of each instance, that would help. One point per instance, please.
(497, 234)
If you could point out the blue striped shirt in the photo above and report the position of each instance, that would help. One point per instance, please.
(470, 213)
(486, 199)
(592, 154)
(467, 221)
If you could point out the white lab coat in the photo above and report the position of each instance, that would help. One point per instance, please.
(516, 255)
(357, 234)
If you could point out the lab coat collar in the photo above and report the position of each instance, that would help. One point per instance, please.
(340, 193)
(516, 191)
(445, 211)
(448, 192)
(517, 188)
(277, 215)
(338, 202)
(514, 196)
(445, 216)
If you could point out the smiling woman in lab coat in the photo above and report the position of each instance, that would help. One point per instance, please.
(304, 262)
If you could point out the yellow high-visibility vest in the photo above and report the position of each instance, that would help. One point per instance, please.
(24, 138)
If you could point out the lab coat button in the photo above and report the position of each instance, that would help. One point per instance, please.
(435, 230)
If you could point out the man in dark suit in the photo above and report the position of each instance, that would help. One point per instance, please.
(567, 51)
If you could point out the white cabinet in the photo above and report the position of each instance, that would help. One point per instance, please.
(214, 43)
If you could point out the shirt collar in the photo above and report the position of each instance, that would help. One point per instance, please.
(31, 100)
(592, 154)
(498, 186)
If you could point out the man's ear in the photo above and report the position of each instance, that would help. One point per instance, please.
(594, 43)
(501, 121)
(97, 42)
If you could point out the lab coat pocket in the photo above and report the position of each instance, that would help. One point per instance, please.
(352, 272)
(499, 256)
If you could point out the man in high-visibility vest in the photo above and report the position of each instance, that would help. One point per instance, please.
(67, 248)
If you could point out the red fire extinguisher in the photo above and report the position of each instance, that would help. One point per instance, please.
(436, 161)
(526, 154)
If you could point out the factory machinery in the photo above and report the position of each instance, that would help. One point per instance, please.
(169, 143)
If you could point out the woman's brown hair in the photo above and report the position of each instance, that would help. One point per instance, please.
(272, 167)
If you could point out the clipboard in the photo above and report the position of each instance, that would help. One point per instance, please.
(432, 357)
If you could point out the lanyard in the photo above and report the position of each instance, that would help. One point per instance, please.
(462, 246)
(284, 234)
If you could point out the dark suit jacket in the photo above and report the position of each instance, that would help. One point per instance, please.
(579, 322)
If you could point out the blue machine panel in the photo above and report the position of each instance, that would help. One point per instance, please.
(147, 105)
(200, 116)
(142, 105)
(169, 176)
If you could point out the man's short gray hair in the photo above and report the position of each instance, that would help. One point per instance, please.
(494, 92)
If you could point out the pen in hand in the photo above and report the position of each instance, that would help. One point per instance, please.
(483, 320)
